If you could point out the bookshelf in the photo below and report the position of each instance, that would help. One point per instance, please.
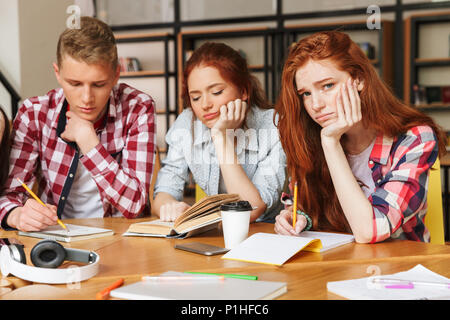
(166, 111)
(417, 58)
(427, 62)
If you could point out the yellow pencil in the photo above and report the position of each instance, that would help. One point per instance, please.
(294, 207)
(40, 201)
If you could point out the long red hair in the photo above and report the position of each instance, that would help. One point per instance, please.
(300, 135)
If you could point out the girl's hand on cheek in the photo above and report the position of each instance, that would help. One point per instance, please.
(231, 116)
(348, 107)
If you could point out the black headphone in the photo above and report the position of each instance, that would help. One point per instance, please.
(45, 254)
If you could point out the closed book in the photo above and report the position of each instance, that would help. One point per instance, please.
(434, 94)
(446, 94)
(226, 289)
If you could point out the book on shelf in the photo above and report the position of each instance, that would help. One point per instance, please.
(446, 94)
(202, 216)
(434, 94)
(276, 249)
(223, 289)
(75, 233)
(129, 64)
(368, 49)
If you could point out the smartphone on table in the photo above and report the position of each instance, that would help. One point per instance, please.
(201, 248)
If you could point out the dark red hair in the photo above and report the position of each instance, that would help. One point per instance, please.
(232, 67)
(300, 135)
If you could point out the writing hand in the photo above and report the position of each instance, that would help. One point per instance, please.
(283, 223)
(33, 216)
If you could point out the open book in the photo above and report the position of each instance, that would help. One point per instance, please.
(202, 216)
(226, 289)
(276, 249)
(76, 233)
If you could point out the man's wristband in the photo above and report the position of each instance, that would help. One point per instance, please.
(5, 226)
(308, 219)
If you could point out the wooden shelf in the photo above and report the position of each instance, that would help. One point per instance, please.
(231, 30)
(142, 73)
(134, 36)
(432, 62)
(163, 111)
(434, 107)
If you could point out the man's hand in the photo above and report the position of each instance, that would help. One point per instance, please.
(33, 216)
(81, 132)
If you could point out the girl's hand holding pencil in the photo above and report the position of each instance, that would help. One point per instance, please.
(284, 222)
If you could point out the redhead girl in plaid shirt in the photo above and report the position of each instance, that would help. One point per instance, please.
(361, 158)
(91, 142)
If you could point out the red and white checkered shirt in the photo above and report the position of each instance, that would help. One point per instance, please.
(121, 164)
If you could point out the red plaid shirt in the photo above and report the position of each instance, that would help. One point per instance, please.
(400, 170)
(121, 164)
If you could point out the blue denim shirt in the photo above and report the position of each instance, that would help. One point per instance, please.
(258, 150)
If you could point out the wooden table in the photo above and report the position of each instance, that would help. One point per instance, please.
(306, 273)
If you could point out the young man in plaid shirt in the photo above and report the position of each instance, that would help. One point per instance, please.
(90, 144)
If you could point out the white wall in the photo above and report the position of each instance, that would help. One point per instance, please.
(9, 49)
(29, 33)
(39, 35)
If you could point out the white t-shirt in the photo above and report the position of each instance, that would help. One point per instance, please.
(84, 198)
(359, 164)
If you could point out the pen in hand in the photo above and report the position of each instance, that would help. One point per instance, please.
(42, 203)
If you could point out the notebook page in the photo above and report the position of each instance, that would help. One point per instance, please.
(74, 230)
(268, 248)
(364, 289)
(329, 240)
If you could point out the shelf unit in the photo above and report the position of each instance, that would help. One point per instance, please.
(279, 17)
(413, 63)
(187, 41)
(166, 73)
(385, 37)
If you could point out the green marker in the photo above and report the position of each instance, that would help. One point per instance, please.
(227, 275)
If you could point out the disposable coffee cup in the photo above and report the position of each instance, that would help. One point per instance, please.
(235, 222)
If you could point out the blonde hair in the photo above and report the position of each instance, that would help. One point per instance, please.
(93, 42)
